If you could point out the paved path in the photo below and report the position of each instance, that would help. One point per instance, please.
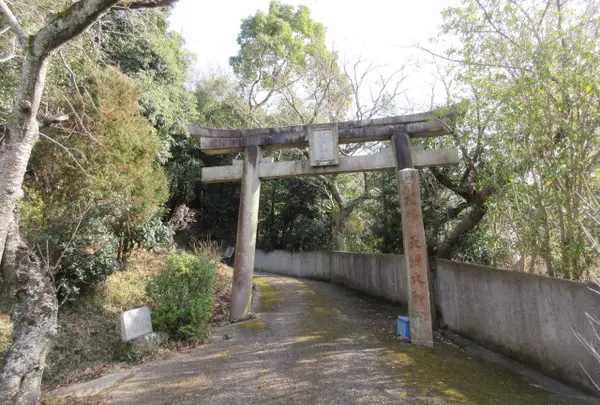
(317, 343)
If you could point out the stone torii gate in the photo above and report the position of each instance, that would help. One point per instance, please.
(322, 141)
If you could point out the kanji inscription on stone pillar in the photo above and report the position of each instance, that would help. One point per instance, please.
(415, 253)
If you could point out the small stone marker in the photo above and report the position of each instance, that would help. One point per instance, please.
(135, 323)
(229, 252)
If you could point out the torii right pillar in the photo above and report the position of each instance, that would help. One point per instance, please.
(415, 247)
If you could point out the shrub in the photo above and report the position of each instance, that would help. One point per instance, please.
(181, 295)
(89, 258)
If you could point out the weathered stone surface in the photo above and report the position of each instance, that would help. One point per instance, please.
(384, 160)
(229, 252)
(323, 146)
(528, 317)
(415, 253)
(321, 344)
(243, 269)
(220, 141)
(148, 342)
(378, 275)
(135, 323)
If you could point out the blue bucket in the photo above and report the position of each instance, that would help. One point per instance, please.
(403, 327)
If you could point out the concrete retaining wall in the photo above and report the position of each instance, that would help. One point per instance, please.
(524, 316)
(378, 275)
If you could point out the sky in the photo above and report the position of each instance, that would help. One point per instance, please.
(382, 31)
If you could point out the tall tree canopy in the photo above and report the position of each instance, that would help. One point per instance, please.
(530, 132)
(284, 67)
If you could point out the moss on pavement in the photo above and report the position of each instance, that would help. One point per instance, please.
(450, 375)
(431, 375)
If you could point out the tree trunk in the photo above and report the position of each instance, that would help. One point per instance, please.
(475, 216)
(15, 148)
(30, 289)
(477, 201)
(34, 313)
(340, 226)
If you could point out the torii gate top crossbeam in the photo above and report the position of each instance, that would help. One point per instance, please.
(221, 141)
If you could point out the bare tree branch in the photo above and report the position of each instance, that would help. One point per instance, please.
(450, 214)
(481, 64)
(68, 24)
(465, 225)
(376, 107)
(449, 184)
(291, 101)
(63, 147)
(13, 23)
(497, 30)
(333, 189)
(71, 73)
(4, 28)
(139, 5)
(73, 234)
(319, 102)
(534, 28)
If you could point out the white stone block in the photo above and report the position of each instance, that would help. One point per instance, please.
(135, 323)
(229, 252)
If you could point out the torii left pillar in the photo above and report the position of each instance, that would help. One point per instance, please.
(243, 268)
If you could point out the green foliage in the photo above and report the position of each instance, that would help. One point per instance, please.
(143, 47)
(293, 216)
(284, 73)
(216, 205)
(386, 226)
(216, 99)
(87, 208)
(154, 233)
(181, 295)
(531, 124)
(282, 34)
(184, 169)
(89, 257)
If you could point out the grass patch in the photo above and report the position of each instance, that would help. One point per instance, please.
(88, 344)
(269, 296)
